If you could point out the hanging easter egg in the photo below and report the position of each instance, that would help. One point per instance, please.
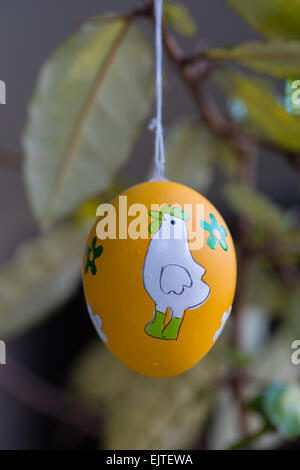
(159, 277)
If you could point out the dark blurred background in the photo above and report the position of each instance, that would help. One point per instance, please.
(29, 31)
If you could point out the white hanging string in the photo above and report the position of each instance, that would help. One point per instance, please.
(156, 123)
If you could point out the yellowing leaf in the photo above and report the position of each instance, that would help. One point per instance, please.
(92, 97)
(87, 209)
(277, 58)
(191, 153)
(177, 16)
(253, 102)
(188, 155)
(272, 18)
(256, 207)
(42, 275)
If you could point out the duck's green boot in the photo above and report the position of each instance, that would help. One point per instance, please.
(172, 329)
(155, 327)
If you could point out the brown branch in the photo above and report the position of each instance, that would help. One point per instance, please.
(194, 70)
(45, 398)
(247, 176)
(208, 109)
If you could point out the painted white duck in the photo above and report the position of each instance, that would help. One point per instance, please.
(171, 276)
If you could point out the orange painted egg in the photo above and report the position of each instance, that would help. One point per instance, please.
(159, 276)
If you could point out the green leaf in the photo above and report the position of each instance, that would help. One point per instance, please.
(279, 405)
(178, 17)
(272, 18)
(188, 155)
(277, 58)
(191, 152)
(254, 103)
(259, 209)
(91, 99)
(143, 413)
(154, 226)
(43, 274)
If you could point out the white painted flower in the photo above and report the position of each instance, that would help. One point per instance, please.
(223, 321)
(96, 320)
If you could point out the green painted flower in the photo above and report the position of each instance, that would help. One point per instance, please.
(157, 216)
(217, 233)
(92, 253)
